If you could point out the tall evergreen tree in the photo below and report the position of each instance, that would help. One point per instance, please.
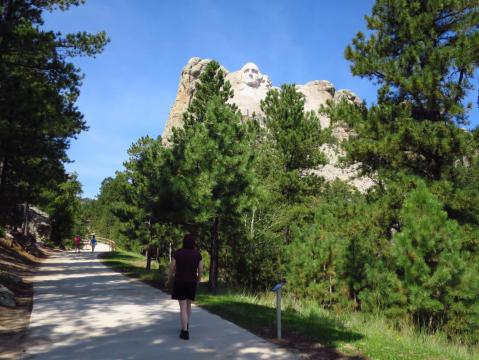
(423, 55)
(144, 170)
(296, 135)
(330, 253)
(126, 207)
(62, 204)
(422, 52)
(112, 215)
(291, 150)
(210, 162)
(432, 265)
(38, 91)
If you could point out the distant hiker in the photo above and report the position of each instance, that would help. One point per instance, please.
(77, 242)
(93, 243)
(187, 266)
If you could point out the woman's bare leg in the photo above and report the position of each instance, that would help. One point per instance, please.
(183, 314)
(188, 308)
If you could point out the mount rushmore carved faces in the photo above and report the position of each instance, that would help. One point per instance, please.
(251, 76)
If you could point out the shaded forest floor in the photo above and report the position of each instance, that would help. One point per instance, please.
(14, 321)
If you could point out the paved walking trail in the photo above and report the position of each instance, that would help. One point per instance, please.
(84, 310)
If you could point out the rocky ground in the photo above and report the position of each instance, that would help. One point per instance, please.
(16, 265)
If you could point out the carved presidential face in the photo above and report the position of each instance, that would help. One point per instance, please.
(250, 75)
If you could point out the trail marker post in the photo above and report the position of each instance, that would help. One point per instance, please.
(277, 290)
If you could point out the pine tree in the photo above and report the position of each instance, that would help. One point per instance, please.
(62, 205)
(432, 265)
(296, 135)
(330, 253)
(112, 215)
(144, 170)
(209, 166)
(38, 91)
(423, 55)
(290, 150)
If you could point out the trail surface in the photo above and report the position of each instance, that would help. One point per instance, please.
(84, 310)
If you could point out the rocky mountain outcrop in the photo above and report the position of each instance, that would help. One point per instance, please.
(250, 87)
(189, 75)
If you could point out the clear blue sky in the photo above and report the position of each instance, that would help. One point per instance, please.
(130, 87)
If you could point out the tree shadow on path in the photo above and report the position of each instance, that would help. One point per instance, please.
(84, 310)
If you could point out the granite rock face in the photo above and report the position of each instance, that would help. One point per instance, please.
(348, 95)
(317, 93)
(186, 89)
(250, 87)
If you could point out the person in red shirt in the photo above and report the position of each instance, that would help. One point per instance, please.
(187, 267)
(77, 241)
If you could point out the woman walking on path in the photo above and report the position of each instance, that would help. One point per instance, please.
(187, 267)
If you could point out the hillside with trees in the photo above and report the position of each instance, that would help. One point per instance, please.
(408, 247)
(39, 87)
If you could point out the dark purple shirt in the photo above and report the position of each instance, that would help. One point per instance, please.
(187, 261)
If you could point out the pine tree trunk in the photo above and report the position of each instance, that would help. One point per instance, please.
(25, 220)
(149, 255)
(2, 168)
(214, 256)
(149, 248)
(3, 176)
(252, 223)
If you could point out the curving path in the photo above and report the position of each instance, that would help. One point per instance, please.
(84, 310)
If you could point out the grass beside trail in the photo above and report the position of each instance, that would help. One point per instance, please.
(132, 264)
(350, 333)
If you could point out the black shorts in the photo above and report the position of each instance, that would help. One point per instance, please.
(183, 290)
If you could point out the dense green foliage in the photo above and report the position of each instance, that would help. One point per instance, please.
(351, 332)
(38, 90)
(62, 204)
(408, 247)
(423, 55)
(295, 136)
(207, 170)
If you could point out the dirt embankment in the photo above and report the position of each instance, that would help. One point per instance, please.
(16, 261)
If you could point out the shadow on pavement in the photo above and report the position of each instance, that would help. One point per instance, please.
(84, 310)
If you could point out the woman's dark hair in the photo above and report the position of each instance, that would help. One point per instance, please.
(189, 241)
